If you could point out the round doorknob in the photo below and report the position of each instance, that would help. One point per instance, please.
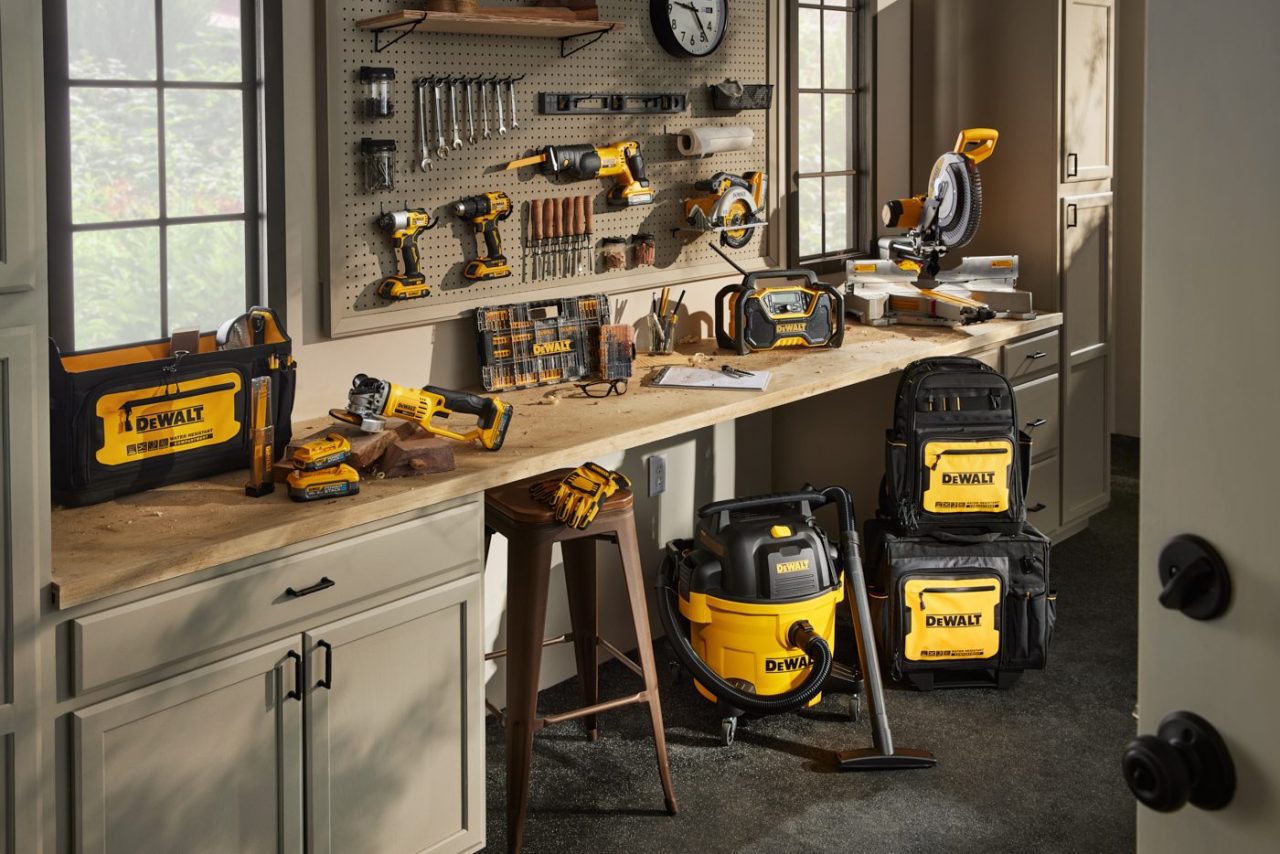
(1186, 760)
(1194, 578)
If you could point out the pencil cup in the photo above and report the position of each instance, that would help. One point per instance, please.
(662, 335)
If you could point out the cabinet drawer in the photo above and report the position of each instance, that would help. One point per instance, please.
(1031, 357)
(1038, 400)
(143, 635)
(1043, 506)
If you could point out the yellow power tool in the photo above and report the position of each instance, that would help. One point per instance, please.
(404, 227)
(734, 206)
(621, 160)
(371, 401)
(483, 212)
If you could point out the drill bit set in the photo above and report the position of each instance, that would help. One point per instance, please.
(560, 236)
(444, 99)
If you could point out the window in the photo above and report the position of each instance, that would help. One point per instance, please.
(151, 109)
(825, 135)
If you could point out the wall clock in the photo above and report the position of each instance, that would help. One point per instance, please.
(689, 29)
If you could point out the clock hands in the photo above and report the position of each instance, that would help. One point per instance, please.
(694, 9)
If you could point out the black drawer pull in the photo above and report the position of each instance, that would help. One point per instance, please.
(1039, 354)
(1037, 507)
(324, 583)
(296, 693)
(327, 681)
(1039, 422)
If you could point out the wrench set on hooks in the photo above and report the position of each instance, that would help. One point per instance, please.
(479, 107)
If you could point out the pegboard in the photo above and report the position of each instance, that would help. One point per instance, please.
(626, 60)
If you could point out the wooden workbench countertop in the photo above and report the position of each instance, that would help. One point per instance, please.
(163, 533)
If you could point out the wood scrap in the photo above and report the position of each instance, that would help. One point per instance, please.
(417, 456)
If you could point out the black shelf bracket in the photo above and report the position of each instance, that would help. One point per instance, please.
(565, 39)
(379, 47)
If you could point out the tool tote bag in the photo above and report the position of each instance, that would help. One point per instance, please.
(960, 609)
(955, 458)
(125, 419)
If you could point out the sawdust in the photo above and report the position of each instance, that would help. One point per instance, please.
(551, 398)
(697, 360)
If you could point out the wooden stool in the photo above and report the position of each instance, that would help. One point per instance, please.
(530, 529)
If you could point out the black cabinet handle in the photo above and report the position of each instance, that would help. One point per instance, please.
(1037, 507)
(1194, 578)
(1186, 760)
(1039, 354)
(324, 583)
(1073, 165)
(327, 681)
(296, 692)
(1071, 216)
(1039, 422)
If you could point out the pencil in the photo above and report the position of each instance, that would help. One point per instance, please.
(680, 300)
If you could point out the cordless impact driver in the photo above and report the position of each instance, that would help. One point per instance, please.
(371, 401)
(404, 228)
(621, 160)
(483, 212)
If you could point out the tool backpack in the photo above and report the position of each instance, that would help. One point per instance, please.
(953, 610)
(955, 458)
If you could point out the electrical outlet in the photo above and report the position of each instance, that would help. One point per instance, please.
(657, 474)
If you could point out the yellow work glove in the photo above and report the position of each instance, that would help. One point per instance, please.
(584, 491)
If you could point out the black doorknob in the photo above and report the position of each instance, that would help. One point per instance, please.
(1186, 760)
(1194, 578)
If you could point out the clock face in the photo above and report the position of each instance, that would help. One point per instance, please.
(689, 27)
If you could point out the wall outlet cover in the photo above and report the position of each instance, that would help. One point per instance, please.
(657, 474)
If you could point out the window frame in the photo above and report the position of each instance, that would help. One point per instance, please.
(61, 230)
(860, 156)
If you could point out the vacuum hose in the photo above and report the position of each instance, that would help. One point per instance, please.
(801, 634)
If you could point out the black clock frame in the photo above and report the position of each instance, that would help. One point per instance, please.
(661, 24)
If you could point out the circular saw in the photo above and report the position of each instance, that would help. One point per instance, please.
(945, 217)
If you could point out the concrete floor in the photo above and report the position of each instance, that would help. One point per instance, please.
(1034, 768)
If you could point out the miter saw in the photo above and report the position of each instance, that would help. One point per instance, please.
(904, 285)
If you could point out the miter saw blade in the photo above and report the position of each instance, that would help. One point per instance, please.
(957, 188)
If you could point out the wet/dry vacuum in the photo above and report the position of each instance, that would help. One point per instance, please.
(749, 606)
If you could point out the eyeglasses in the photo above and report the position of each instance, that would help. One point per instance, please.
(603, 388)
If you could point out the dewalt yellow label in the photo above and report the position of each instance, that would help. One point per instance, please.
(951, 619)
(549, 348)
(790, 327)
(967, 476)
(161, 420)
(787, 566)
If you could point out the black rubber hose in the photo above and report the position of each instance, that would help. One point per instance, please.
(757, 704)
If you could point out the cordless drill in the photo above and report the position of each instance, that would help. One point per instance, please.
(404, 227)
(620, 160)
(371, 401)
(484, 211)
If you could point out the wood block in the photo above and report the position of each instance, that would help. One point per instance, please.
(366, 448)
(417, 456)
(534, 13)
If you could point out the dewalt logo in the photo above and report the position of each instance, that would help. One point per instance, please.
(787, 665)
(790, 327)
(953, 621)
(968, 478)
(172, 418)
(783, 567)
(550, 348)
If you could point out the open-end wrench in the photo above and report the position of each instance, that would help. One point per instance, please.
(511, 93)
(442, 150)
(497, 97)
(471, 113)
(484, 107)
(424, 147)
(453, 114)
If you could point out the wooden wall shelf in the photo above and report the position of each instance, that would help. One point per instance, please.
(482, 23)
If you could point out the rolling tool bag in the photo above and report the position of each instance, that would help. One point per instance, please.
(955, 610)
(125, 419)
(955, 458)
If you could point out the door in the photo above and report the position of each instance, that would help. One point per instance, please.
(395, 726)
(1088, 71)
(1211, 401)
(210, 761)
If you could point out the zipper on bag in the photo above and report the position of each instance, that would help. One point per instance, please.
(983, 589)
(962, 452)
(130, 405)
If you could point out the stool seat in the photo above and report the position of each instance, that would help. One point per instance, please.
(514, 502)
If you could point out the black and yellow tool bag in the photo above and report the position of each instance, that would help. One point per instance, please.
(955, 458)
(125, 419)
(960, 609)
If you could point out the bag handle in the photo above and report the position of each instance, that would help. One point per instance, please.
(951, 537)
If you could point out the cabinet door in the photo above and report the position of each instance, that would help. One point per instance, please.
(1086, 272)
(210, 761)
(1086, 439)
(395, 726)
(1088, 89)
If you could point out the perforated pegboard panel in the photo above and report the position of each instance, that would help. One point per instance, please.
(626, 60)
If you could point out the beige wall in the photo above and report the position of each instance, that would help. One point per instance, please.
(1130, 124)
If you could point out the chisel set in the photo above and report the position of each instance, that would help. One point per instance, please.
(483, 107)
(560, 236)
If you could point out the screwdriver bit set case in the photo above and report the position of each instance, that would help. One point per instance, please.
(625, 60)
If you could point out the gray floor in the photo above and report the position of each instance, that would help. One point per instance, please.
(1034, 768)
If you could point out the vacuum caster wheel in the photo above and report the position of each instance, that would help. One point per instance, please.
(728, 729)
(855, 707)
(675, 671)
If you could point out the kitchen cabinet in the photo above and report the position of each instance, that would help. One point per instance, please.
(1086, 272)
(1086, 434)
(1088, 89)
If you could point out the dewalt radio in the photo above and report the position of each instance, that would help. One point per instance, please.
(404, 227)
(620, 160)
(484, 211)
(751, 316)
(749, 606)
(371, 401)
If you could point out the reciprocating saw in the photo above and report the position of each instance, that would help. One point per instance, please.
(372, 401)
(404, 228)
(621, 160)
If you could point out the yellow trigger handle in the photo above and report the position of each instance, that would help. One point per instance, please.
(983, 138)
